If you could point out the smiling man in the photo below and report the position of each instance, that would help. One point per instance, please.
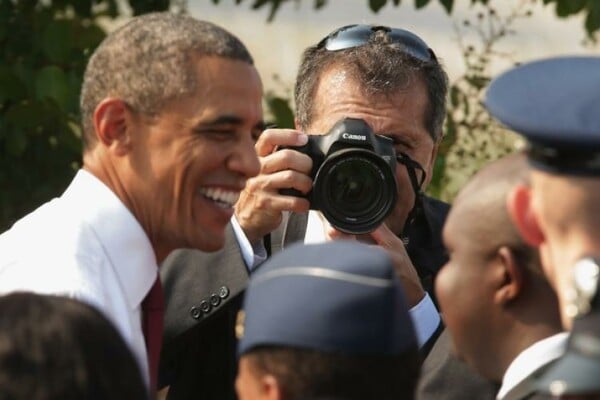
(171, 109)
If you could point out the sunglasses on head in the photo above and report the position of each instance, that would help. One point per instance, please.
(351, 36)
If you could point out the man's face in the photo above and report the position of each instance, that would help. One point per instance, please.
(464, 289)
(190, 161)
(399, 116)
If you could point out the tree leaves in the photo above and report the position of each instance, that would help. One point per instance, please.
(376, 5)
(592, 21)
(447, 4)
(568, 8)
(12, 87)
(421, 3)
(51, 83)
(283, 116)
(145, 6)
(44, 46)
(56, 41)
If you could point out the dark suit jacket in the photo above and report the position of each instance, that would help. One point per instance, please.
(444, 376)
(198, 357)
(203, 293)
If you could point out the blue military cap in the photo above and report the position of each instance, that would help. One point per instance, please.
(577, 371)
(555, 104)
(336, 297)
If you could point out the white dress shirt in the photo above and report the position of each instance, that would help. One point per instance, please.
(425, 316)
(527, 362)
(86, 245)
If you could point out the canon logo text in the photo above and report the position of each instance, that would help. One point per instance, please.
(353, 137)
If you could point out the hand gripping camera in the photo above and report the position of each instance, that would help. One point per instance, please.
(354, 176)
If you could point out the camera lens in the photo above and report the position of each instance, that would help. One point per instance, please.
(355, 189)
(353, 185)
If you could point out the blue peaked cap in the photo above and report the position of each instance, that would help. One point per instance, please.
(555, 104)
(340, 296)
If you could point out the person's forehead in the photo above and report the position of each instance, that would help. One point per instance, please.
(209, 69)
(339, 93)
(345, 77)
(220, 81)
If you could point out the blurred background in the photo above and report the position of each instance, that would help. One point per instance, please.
(44, 45)
(277, 45)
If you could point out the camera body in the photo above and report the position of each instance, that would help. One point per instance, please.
(354, 176)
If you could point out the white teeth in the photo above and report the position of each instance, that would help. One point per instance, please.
(224, 197)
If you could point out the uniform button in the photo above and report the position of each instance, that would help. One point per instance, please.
(195, 312)
(205, 306)
(223, 292)
(215, 300)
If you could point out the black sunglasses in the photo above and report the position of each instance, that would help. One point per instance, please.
(350, 36)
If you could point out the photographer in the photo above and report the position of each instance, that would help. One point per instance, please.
(391, 80)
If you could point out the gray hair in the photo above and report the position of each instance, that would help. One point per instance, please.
(148, 61)
(382, 68)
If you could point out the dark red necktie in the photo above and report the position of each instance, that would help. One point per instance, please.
(152, 326)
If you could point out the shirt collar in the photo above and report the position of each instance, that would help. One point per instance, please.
(123, 239)
(315, 227)
(531, 359)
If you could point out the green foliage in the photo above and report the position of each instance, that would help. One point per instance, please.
(591, 9)
(40, 79)
(281, 112)
(44, 46)
(376, 5)
(278, 105)
(472, 137)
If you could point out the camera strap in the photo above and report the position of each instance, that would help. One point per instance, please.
(411, 167)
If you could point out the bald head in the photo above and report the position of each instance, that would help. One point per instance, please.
(480, 207)
(491, 291)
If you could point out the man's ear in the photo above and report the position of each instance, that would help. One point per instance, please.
(270, 388)
(112, 125)
(511, 277)
(522, 215)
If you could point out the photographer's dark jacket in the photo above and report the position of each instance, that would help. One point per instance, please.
(203, 293)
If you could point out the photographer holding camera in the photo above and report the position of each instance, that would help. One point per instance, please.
(385, 81)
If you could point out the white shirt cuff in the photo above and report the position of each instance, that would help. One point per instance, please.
(426, 319)
(253, 255)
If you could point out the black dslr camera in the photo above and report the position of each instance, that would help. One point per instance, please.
(354, 176)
